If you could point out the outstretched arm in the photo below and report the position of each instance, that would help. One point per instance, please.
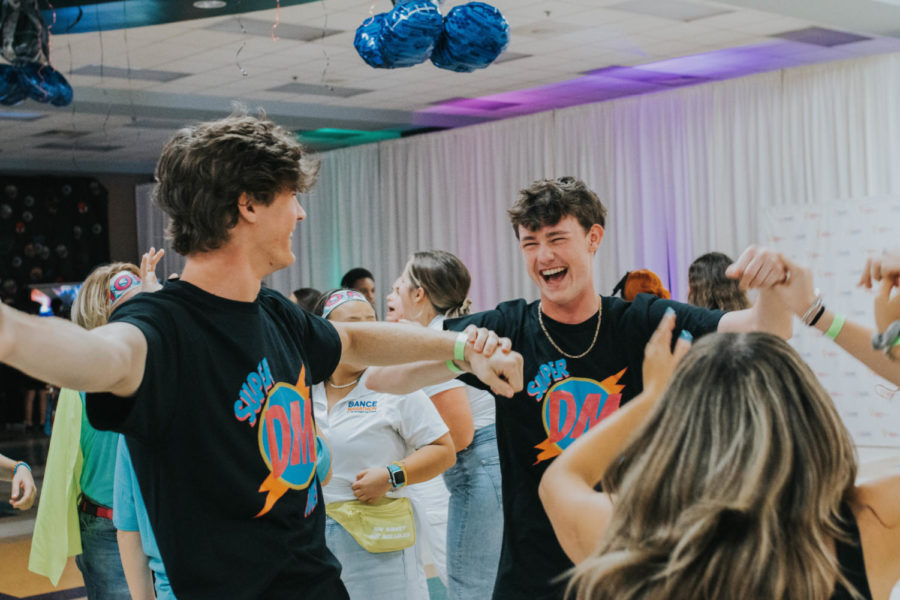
(405, 379)
(106, 359)
(578, 513)
(396, 343)
(799, 294)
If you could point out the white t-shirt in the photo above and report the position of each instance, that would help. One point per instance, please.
(480, 401)
(370, 429)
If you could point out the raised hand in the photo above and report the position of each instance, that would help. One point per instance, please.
(886, 266)
(149, 282)
(659, 358)
(758, 267)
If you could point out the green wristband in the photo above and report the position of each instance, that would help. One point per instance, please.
(459, 348)
(836, 325)
(452, 366)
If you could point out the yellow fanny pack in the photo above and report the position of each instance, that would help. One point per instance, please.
(386, 526)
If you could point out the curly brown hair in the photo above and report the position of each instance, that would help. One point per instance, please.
(547, 201)
(204, 169)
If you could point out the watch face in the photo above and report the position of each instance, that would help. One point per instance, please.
(398, 477)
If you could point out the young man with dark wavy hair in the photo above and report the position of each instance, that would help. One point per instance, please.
(583, 355)
(209, 377)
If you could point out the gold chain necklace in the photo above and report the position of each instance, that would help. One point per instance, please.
(560, 350)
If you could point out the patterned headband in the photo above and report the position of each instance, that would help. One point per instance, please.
(340, 297)
(120, 284)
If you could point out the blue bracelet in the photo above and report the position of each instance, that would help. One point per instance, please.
(21, 463)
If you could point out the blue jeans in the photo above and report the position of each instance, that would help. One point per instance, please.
(395, 575)
(475, 526)
(99, 561)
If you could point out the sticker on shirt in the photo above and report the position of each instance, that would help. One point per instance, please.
(287, 433)
(571, 405)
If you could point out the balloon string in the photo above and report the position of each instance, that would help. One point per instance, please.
(49, 29)
(241, 48)
(324, 51)
(277, 19)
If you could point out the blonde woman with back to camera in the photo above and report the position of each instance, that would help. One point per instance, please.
(738, 482)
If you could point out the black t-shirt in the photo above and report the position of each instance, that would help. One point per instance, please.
(222, 438)
(562, 398)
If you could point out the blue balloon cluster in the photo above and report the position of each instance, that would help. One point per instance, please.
(39, 82)
(474, 35)
(471, 37)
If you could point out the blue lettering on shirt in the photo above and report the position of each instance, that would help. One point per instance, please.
(253, 393)
(548, 374)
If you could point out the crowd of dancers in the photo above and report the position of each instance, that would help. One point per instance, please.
(217, 440)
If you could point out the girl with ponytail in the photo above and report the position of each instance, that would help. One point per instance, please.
(434, 286)
(736, 480)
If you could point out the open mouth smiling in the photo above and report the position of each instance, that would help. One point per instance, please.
(554, 274)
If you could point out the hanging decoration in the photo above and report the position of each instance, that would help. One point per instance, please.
(409, 33)
(474, 35)
(24, 42)
(471, 37)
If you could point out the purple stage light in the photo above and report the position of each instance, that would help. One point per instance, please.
(616, 81)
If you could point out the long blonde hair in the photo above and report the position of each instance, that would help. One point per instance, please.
(91, 307)
(733, 487)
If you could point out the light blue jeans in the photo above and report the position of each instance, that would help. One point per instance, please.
(475, 525)
(395, 575)
(99, 562)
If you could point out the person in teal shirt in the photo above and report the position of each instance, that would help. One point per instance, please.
(137, 544)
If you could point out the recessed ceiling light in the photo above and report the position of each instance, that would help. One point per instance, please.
(210, 4)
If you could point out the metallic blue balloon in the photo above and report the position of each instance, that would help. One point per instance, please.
(11, 92)
(368, 42)
(43, 83)
(64, 91)
(410, 32)
(34, 77)
(474, 35)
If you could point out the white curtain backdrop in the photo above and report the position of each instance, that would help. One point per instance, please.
(683, 172)
(151, 231)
